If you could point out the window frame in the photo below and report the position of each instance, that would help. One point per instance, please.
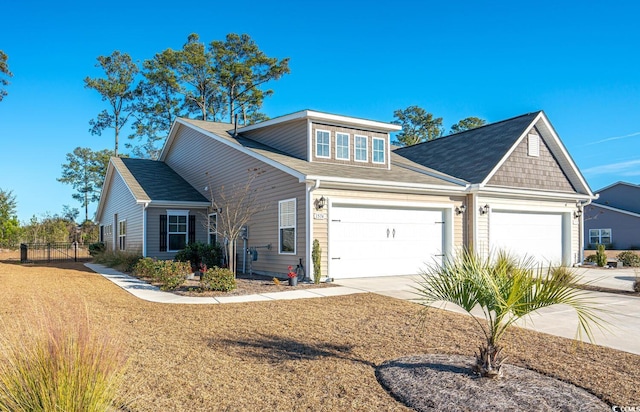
(282, 226)
(122, 234)
(342, 147)
(215, 231)
(374, 150)
(599, 236)
(328, 144)
(355, 148)
(177, 213)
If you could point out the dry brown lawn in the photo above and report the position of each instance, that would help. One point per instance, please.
(315, 354)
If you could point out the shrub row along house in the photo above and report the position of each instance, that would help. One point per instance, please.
(375, 209)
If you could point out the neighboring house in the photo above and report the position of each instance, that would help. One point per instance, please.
(614, 218)
(375, 211)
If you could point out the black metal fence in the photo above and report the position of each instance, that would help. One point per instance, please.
(53, 252)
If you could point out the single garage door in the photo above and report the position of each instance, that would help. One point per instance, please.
(536, 235)
(383, 241)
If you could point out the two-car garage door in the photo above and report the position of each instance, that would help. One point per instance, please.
(383, 241)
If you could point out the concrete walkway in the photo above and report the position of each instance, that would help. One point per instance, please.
(623, 312)
(145, 291)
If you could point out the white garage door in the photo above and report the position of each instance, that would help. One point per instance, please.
(536, 235)
(380, 241)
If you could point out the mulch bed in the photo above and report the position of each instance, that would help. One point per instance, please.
(246, 285)
(445, 383)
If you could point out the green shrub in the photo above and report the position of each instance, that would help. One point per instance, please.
(591, 258)
(200, 253)
(601, 257)
(118, 259)
(145, 268)
(218, 279)
(316, 255)
(171, 274)
(96, 248)
(629, 259)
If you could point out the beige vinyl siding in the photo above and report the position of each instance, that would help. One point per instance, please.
(193, 154)
(153, 229)
(352, 149)
(528, 172)
(290, 137)
(120, 201)
(321, 226)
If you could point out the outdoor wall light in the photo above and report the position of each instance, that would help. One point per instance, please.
(321, 203)
(484, 210)
(460, 209)
(577, 214)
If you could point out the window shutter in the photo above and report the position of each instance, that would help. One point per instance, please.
(192, 229)
(163, 233)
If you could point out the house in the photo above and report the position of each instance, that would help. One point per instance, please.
(614, 218)
(375, 211)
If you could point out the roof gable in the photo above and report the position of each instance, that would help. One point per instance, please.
(621, 195)
(541, 172)
(473, 154)
(476, 155)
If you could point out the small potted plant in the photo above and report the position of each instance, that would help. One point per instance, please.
(293, 277)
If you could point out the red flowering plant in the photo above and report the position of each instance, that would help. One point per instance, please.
(291, 273)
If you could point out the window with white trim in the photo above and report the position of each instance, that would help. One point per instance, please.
(287, 226)
(600, 236)
(342, 146)
(122, 234)
(378, 150)
(177, 224)
(361, 154)
(323, 143)
(213, 228)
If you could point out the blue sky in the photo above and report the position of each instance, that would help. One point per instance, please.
(577, 61)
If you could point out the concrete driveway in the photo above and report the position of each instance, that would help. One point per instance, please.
(622, 311)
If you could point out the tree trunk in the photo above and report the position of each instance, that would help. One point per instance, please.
(231, 255)
(489, 361)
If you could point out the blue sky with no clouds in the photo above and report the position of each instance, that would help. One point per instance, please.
(577, 61)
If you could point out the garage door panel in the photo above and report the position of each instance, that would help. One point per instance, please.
(377, 241)
(535, 235)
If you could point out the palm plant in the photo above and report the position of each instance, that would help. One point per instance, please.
(506, 289)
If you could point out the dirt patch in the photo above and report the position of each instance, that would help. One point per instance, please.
(309, 354)
(445, 383)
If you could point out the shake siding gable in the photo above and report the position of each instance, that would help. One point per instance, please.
(532, 172)
(121, 202)
(193, 155)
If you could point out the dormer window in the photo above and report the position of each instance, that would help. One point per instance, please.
(361, 154)
(342, 146)
(323, 144)
(378, 150)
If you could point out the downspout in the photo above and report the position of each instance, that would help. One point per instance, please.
(309, 226)
(144, 228)
(581, 206)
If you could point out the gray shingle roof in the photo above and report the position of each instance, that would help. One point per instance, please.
(160, 182)
(470, 155)
(402, 171)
